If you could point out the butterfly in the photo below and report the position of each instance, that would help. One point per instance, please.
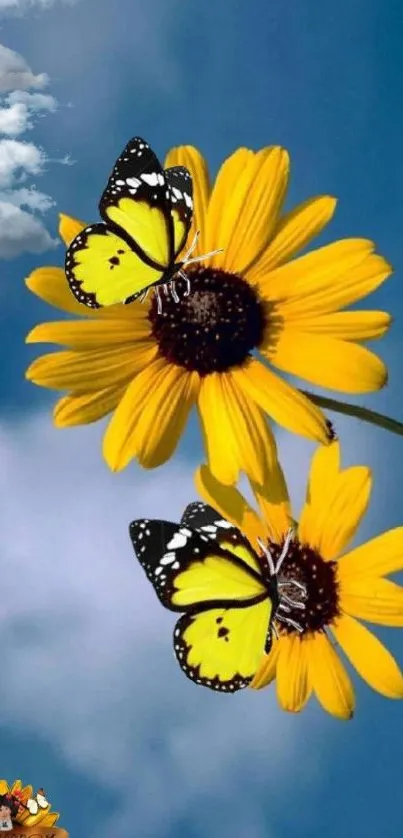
(147, 214)
(229, 595)
(38, 802)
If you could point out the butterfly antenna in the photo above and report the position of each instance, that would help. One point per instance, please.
(200, 258)
(268, 555)
(193, 245)
(284, 551)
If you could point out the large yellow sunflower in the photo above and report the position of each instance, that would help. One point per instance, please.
(150, 369)
(342, 587)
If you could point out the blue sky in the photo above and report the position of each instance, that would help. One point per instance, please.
(94, 707)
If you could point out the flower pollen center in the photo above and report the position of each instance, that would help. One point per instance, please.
(305, 566)
(213, 329)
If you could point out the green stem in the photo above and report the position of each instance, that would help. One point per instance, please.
(358, 412)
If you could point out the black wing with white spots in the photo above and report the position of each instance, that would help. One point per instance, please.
(207, 520)
(165, 550)
(138, 175)
(227, 606)
(180, 186)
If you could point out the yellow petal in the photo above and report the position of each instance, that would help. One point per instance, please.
(237, 436)
(373, 599)
(69, 228)
(230, 504)
(293, 232)
(329, 678)
(369, 657)
(328, 523)
(324, 470)
(164, 416)
(17, 786)
(84, 408)
(344, 325)
(267, 668)
(293, 688)
(81, 334)
(244, 206)
(50, 284)
(286, 405)
(274, 503)
(187, 155)
(151, 416)
(326, 279)
(380, 556)
(327, 362)
(93, 370)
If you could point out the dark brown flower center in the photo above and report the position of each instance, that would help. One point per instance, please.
(213, 329)
(306, 566)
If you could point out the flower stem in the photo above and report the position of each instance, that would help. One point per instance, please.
(358, 412)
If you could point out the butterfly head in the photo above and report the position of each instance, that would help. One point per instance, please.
(290, 593)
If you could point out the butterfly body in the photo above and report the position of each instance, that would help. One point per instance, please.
(146, 216)
(228, 595)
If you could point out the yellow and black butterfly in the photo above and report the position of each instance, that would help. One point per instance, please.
(229, 596)
(147, 213)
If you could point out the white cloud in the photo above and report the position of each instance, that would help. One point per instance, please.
(30, 198)
(33, 101)
(20, 6)
(19, 107)
(20, 232)
(82, 629)
(14, 120)
(17, 160)
(15, 74)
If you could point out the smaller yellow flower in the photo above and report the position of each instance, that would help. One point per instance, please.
(342, 588)
(23, 794)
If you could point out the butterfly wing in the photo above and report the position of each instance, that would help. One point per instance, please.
(208, 521)
(135, 247)
(180, 186)
(222, 648)
(102, 268)
(226, 627)
(42, 801)
(136, 203)
(189, 571)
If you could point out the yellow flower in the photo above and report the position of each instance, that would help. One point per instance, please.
(22, 793)
(150, 369)
(342, 587)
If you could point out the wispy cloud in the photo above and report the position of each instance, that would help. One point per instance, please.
(15, 74)
(21, 227)
(21, 6)
(82, 627)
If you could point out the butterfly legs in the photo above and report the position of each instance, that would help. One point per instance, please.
(187, 280)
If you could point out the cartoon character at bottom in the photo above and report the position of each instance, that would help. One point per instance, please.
(8, 810)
